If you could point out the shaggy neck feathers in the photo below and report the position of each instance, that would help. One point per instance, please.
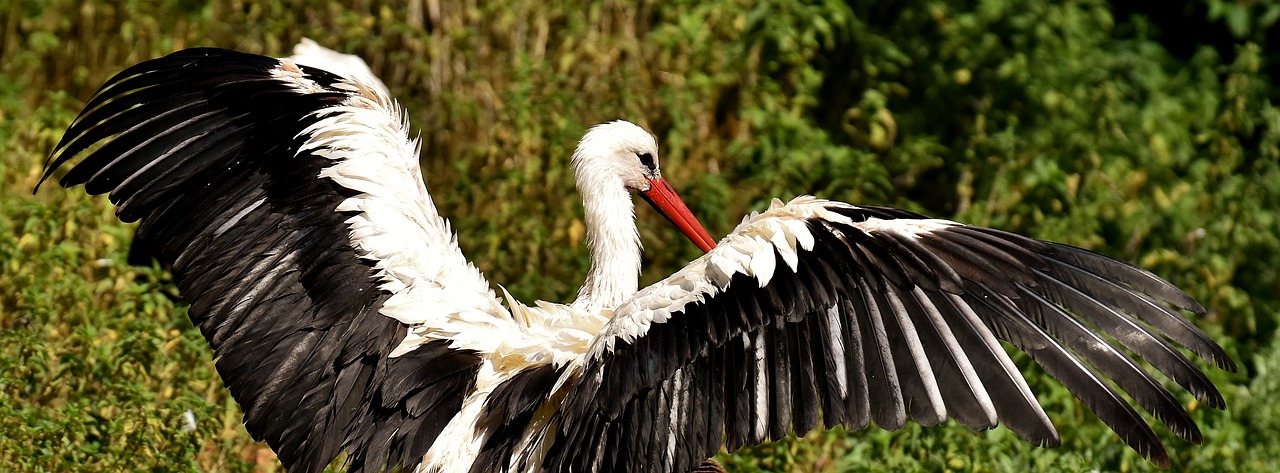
(602, 169)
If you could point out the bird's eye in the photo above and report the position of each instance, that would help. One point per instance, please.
(646, 159)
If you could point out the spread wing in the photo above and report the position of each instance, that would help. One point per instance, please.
(823, 312)
(290, 204)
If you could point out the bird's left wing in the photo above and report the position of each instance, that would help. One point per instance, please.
(290, 204)
(822, 311)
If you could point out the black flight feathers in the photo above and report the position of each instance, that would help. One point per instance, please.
(906, 323)
(203, 146)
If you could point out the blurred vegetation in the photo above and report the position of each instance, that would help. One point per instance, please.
(1147, 132)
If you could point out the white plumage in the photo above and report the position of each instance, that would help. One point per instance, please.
(291, 205)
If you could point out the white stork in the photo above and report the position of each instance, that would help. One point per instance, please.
(290, 204)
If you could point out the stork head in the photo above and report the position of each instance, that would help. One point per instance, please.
(620, 153)
(617, 152)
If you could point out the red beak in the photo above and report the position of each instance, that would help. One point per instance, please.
(662, 197)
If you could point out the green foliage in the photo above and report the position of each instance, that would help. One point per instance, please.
(1244, 18)
(97, 363)
(1063, 120)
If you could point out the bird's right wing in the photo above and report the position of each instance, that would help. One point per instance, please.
(290, 204)
(822, 311)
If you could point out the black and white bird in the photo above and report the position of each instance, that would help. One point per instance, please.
(290, 204)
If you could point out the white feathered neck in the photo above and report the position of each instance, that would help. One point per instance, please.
(607, 170)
